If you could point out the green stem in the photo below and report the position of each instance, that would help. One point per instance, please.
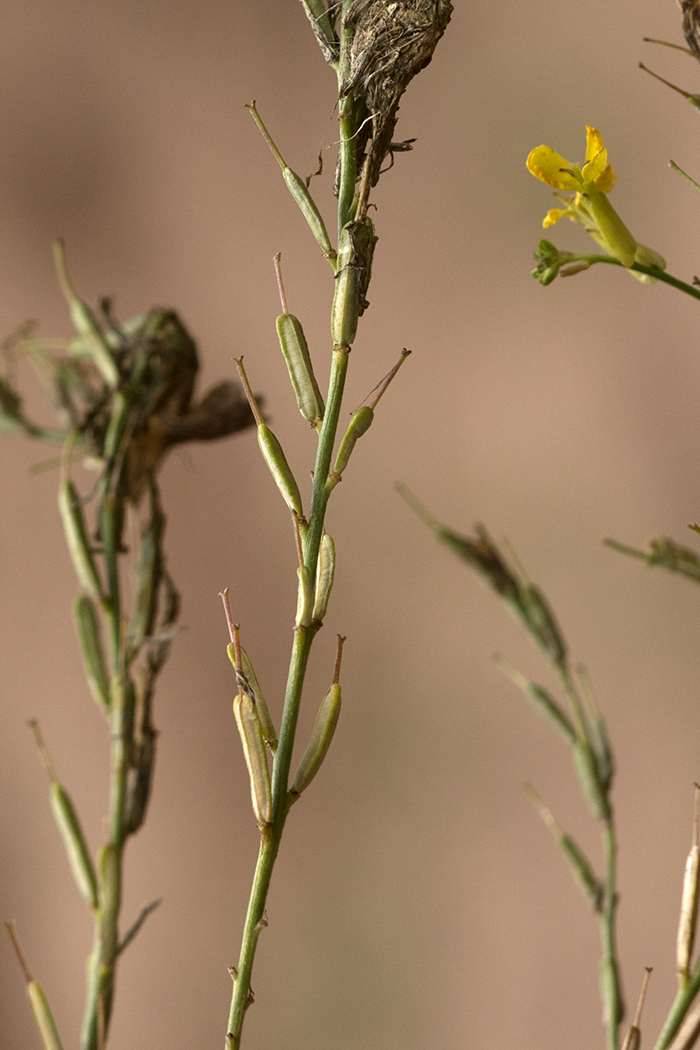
(612, 993)
(681, 1005)
(303, 636)
(660, 275)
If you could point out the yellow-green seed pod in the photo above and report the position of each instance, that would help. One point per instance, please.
(346, 299)
(74, 841)
(77, 539)
(689, 914)
(305, 598)
(110, 881)
(359, 424)
(614, 235)
(587, 770)
(324, 728)
(543, 624)
(296, 354)
(84, 321)
(582, 870)
(43, 1016)
(280, 469)
(307, 206)
(613, 1006)
(266, 724)
(87, 626)
(325, 572)
(255, 755)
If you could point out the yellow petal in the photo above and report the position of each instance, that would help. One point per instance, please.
(594, 142)
(554, 215)
(607, 179)
(596, 155)
(550, 167)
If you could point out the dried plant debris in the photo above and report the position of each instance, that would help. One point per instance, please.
(157, 363)
(691, 23)
(392, 42)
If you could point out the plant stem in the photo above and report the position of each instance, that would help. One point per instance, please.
(660, 275)
(608, 938)
(271, 835)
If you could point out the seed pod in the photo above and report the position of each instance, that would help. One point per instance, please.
(346, 299)
(266, 724)
(359, 424)
(613, 1006)
(296, 353)
(689, 906)
(87, 627)
(587, 770)
(110, 880)
(77, 539)
(305, 598)
(74, 841)
(324, 728)
(605, 761)
(308, 208)
(280, 469)
(84, 321)
(541, 621)
(43, 1016)
(255, 756)
(582, 871)
(325, 572)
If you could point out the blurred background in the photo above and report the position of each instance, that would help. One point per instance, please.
(418, 900)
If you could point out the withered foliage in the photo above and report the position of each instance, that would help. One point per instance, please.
(691, 23)
(393, 40)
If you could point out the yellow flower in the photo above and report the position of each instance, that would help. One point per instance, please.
(591, 182)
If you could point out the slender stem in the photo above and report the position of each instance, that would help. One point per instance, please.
(660, 275)
(303, 636)
(608, 938)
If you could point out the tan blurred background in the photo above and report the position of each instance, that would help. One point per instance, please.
(418, 901)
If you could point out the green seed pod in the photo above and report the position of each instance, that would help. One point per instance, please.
(613, 1006)
(582, 870)
(87, 626)
(587, 771)
(541, 621)
(325, 571)
(84, 321)
(255, 756)
(296, 353)
(280, 469)
(43, 1016)
(605, 761)
(324, 728)
(77, 539)
(266, 724)
(305, 598)
(307, 206)
(346, 299)
(74, 841)
(359, 424)
(110, 881)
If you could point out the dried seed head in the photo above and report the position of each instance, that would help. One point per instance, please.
(687, 923)
(691, 23)
(392, 42)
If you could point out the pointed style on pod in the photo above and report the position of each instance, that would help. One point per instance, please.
(38, 1001)
(84, 321)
